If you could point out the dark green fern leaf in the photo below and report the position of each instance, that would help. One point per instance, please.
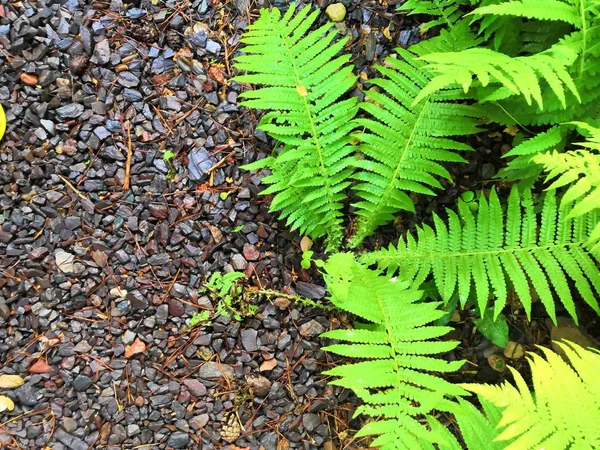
(445, 13)
(473, 252)
(302, 79)
(395, 375)
(404, 145)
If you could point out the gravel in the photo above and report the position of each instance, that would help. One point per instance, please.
(91, 268)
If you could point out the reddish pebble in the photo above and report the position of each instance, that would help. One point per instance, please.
(28, 79)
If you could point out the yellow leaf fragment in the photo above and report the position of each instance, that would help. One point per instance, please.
(11, 381)
(302, 91)
(6, 404)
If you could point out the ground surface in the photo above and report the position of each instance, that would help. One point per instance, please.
(104, 245)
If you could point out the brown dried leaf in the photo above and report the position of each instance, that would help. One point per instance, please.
(268, 365)
(137, 347)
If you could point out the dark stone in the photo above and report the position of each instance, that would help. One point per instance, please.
(82, 383)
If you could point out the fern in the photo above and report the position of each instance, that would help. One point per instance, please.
(518, 76)
(522, 167)
(563, 413)
(402, 144)
(583, 42)
(302, 80)
(556, 10)
(544, 250)
(445, 12)
(393, 378)
(581, 170)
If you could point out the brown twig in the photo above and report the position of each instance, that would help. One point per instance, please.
(128, 162)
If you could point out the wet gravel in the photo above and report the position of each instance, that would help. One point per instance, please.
(105, 243)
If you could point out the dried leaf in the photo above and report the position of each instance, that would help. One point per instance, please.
(137, 347)
(302, 91)
(11, 381)
(268, 365)
(305, 244)
(6, 404)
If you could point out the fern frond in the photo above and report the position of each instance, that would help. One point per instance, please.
(580, 170)
(404, 145)
(517, 76)
(444, 12)
(584, 71)
(564, 411)
(394, 378)
(522, 167)
(473, 253)
(302, 79)
(556, 10)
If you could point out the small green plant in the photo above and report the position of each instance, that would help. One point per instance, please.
(200, 318)
(229, 293)
(306, 259)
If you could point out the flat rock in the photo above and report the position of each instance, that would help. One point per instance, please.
(212, 369)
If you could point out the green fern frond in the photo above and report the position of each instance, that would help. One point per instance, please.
(404, 145)
(394, 378)
(475, 253)
(302, 79)
(555, 10)
(516, 76)
(580, 169)
(522, 167)
(444, 12)
(479, 430)
(584, 71)
(562, 413)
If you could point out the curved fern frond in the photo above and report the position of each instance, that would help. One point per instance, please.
(404, 145)
(394, 376)
(445, 12)
(523, 167)
(580, 170)
(475, 253)
(562, 413)
(556, 10)
(302, 79)
(517, 76)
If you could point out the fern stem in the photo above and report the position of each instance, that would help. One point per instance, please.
(584, 33)
(437, 255)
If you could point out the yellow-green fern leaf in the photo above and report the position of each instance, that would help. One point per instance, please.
(395, 375)
(563, 412)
